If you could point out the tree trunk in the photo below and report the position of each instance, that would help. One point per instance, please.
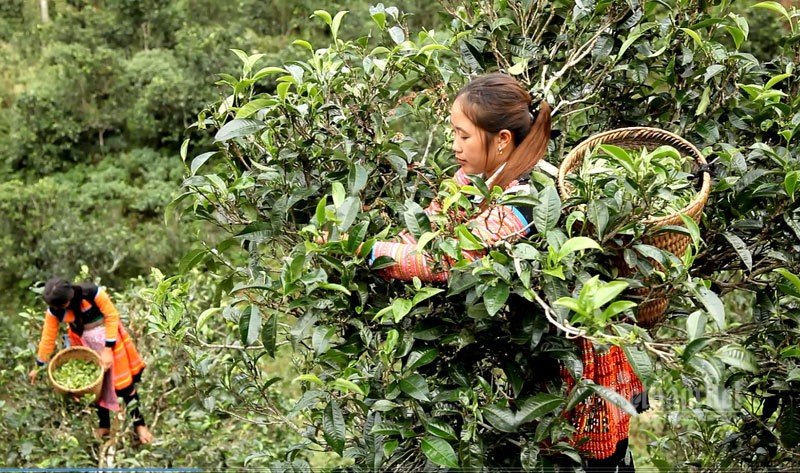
(45, 12)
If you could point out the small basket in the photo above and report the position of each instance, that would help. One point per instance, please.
(76, 353)
(654, 304)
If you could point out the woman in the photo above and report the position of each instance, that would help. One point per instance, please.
(93, 321)
(500, 134)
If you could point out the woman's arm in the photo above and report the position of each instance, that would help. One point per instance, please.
(47, 342)
(110, 313)
(492, 225)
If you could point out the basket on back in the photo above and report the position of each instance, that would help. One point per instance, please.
(653, 303)
(76, 353)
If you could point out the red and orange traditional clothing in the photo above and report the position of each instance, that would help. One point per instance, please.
(492, 225)
(95, 307)
(600, 424)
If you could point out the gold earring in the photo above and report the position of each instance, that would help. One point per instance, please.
(500, 150)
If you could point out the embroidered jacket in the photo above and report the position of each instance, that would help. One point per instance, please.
(600, 425)
(492, 225)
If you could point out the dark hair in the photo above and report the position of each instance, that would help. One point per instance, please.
(495, 102)
(57, 292)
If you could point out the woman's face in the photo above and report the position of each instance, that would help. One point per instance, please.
(468, 144)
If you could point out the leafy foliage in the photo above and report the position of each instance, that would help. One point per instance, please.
(322, 153)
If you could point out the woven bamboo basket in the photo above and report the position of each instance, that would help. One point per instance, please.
(653, 303)
(76, 353)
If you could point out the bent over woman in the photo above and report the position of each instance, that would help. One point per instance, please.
(93, 321)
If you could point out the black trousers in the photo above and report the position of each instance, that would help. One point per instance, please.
(129, 395)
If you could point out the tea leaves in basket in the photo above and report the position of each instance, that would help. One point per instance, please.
(622, 188)
(77, 374)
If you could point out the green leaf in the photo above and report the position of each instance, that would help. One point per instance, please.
(613, 397)
(333, 287)
(694, 36)
(199, 160)
(334, 427)
(438, 451)
(691, 226)
(263, 72)
(789, 423)
(790, 276)
(741, 249)
(357, 178)
(790, 182)
(324, 15)
(617, 307)
(737, 35)
(338, 193)
(421, 358)
(525, 251)
(431, 47)
(597, 213)
(696, 324)
(467, 240)
(424, 239)
(397, 34)
(519, 67)
(571, 304)
(775, 79)
(415, 386)
(379, 17)
(238, 128)
(347, 212)
(382, 262)
(184, 149)
(633, 36)
(529, 409)
(546, 214)
(607, 292)
(269, 334)
(417, 222)
(694, 347)
(400, 308)
(534, 408)
(203, 318)
(385, 428)
(320, 214)
(252, 107)
(640, 362)
(425, 293)
(495, 297)
(576, 244)
(776, 7)
(713, 304)
(501, 418)
(705, 100)
(738, 357)
(249, 325)
(620, 156)
(309, 378)
(346, 385)
(336, 23)
(441, 429)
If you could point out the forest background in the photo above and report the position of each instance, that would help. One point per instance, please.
(100, 98)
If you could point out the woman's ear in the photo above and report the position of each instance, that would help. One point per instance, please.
(503, 138)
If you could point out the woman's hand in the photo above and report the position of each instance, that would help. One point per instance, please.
(108, 357)
(33, 374)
